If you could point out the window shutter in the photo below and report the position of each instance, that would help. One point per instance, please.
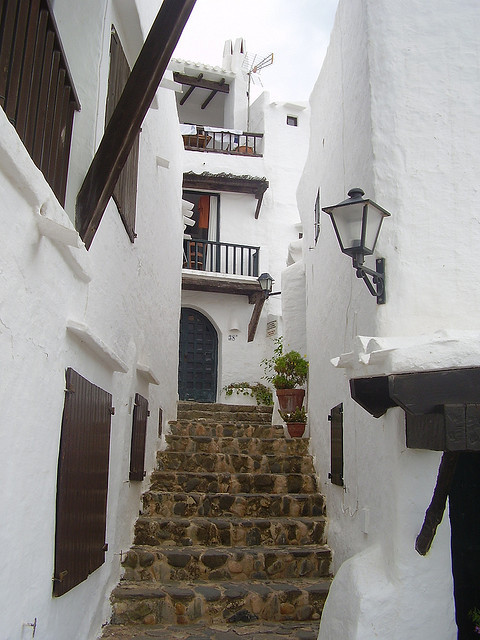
(336, 445)
(82, 482)
(36, 88)
(139, 433)
(125, 192)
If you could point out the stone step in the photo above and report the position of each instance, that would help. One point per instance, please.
(257, 505)
(218, 407)
(234, 463)
(286, 630)
(225, 482)
(212, 428)
(231, 531)
(223, 602)
(193, 444)
(173, 564)
(225, 413)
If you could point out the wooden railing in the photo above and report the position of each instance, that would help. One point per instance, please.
(36, 88)
(221, 257)
(218, 141)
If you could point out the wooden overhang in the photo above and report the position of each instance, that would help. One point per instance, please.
(442, 413)
(199, 82)
(227, 182)
(127, 118)
(233, 286)
(442, 407)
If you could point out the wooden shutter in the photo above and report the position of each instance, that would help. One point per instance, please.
(336, 445)
(36, 89)
(125, 192)
(139, 433)
(82, 482)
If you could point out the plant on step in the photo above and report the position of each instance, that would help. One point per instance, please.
(475, 616)
(298, 415)
(285, 370)
(262, 394)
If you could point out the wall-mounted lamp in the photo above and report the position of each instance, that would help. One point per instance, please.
(357, 223)
(266, 283)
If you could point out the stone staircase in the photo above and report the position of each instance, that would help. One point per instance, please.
(231, 536)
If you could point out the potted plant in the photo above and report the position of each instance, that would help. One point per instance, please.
(296, 421)
(287, 372)
(257, 390)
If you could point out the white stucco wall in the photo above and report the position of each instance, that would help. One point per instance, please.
(127, 296)
(387, 117)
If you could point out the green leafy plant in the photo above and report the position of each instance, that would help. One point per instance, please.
(475, 616)
(262, 394)
(299, 415)
(285, 370)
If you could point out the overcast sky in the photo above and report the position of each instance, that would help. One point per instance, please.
(297, 32)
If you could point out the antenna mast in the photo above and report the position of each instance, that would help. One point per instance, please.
(256, 67)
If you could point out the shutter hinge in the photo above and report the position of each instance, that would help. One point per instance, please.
(148, 414)
(61, 576)
(105, 547)
(112, 411)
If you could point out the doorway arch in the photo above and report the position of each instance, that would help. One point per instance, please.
(198, 357)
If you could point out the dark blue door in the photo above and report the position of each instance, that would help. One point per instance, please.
(197, 369)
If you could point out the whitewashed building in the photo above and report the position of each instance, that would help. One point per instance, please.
(242, 162)
(395, 112)
(88, 338)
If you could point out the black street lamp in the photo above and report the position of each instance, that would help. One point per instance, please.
(266, 283)
(357, 222)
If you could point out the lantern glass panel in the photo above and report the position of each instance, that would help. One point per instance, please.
(374, 220)
(348, 223)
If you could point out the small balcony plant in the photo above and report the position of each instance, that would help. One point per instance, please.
(287, 372)
(296, 421)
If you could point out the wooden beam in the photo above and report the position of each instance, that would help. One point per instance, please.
(212, 95)
(257, 310)
(201, 83)
(223, 182)
(192, 282)
(123, 126)
(190, 90)
(259, 204)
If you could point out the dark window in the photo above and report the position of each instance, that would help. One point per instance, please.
(317, 222)
(36, 89)
(139, 434)
(292, 121)
(336, 445)
(82, 482)
(125, 192)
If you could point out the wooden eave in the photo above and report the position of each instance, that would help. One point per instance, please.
(199, 82)
(227, 182)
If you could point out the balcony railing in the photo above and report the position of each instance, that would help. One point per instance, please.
(221, 257)
(215, 140)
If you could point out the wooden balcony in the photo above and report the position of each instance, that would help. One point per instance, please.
(227, 142)
(221, 257)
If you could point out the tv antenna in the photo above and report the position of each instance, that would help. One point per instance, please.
(254, 67)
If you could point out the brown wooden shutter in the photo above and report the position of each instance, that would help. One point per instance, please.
(36, 89)
(82, 482)
(125, 192)
(139, 433)
(336, 445)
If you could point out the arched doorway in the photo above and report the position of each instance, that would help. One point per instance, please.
(198, 357)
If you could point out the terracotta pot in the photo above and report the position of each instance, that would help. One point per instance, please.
(296, 429)
(290, 399)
